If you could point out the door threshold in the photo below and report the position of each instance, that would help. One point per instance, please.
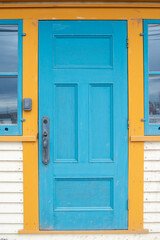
(141, 231)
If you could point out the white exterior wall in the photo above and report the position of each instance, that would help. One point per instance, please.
(11, 187)
(11, 198)
(152, 186)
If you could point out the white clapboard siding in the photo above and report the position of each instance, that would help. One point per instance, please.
(11, 177)
(10, 228)
(11, 187)
(152, 155)
(11, 218)
(153, 227)
(150, 217)
(16, 146)
(152, 186)
(9, 166)
(152, 146)
(152, 166)
(151, 207)
(152, 197)
(11, 208)
(6, 198)
(151, 176)
(11, 155)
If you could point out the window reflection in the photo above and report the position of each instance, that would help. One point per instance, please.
(154, 47)
(8, 100)
(8, 48)
(154, 99)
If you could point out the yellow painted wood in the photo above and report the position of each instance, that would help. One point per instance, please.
(18, 138)
(136, 111)
(135, 180)
(145, 138)
(86, 232)
(67, 12)
(30, 126)
(134, 15)
(110, 1)
(131, 4)
(30, 186)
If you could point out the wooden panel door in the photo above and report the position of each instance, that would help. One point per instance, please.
(83, 92)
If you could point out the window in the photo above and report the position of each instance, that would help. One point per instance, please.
(10, 77)
(152, 76)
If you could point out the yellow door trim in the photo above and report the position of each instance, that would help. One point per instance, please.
(136, 152)
(134, 16)
(132, 4)
(141, 231)
(136, 110)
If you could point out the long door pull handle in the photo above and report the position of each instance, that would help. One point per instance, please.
(45, 140)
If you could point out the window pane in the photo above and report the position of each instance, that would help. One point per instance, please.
(154, 47)
(8, 48)
(154, 99)
(8, 100)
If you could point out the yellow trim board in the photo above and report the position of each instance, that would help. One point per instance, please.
(18, 138)
(74, 13)
(30, 150)
(136, 110)
(148, 4)
(140, 231)
(145, 138)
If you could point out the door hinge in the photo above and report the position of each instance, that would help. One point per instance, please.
(128, 124)
(37, 135)
(23, 34)
(127, 42)
(127, 204)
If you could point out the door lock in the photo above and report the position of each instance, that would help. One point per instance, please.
(45, 140)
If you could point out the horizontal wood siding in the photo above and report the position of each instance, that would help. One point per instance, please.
(11, 187)
(152, 186)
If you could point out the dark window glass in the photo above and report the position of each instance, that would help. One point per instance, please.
(8, 48)
(8, 100)
(154, 47)
(154, 99)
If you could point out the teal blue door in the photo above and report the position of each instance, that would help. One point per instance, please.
(83, 135)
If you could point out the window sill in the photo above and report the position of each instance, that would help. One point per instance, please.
(145, 138)
(140, 231)
(18, 138)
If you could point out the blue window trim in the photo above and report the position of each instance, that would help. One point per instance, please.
(149, 129)
(17, 128)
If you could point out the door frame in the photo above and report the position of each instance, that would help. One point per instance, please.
(30, 15)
